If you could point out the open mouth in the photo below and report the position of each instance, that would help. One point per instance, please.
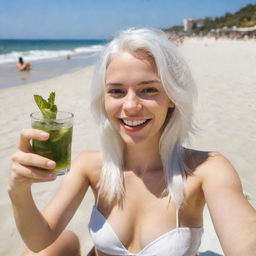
(133, 125)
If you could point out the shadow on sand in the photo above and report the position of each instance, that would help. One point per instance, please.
(209, 253)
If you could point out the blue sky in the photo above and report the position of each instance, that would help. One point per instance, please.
(101, 18)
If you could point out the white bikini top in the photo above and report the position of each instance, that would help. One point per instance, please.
(181, 241)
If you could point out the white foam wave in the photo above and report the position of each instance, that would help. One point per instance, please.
(46, 54)
(93, 48)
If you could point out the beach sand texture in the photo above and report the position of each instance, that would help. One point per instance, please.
(224, 72)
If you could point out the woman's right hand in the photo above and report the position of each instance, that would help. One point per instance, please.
(24, 166)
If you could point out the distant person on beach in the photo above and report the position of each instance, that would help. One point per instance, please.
(22, 66)
(150, 190)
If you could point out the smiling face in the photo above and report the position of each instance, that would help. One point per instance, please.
(135, 100)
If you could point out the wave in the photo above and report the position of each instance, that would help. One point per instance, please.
(34, 55)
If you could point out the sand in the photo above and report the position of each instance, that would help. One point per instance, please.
(224, 72)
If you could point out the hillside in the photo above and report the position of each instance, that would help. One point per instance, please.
(244, 17)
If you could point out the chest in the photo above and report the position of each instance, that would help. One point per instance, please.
(146, 213)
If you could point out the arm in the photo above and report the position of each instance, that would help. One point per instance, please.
(18, 66)
(37, 229)
(234, 219)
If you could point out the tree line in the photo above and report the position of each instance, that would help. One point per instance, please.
(244, 17)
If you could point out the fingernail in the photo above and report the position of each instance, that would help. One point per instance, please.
(53, 175)
(44, 134)
(50, 164)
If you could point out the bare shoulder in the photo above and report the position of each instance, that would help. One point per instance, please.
(88, 163)
(212, 169)
(217, 170)
(220, 182)
(205, 163)
(88, 159)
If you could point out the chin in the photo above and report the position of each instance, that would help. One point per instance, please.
(132, 140)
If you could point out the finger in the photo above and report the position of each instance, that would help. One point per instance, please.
(24, 174)
(30, 159)
(27, 134)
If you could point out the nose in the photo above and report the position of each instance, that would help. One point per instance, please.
(131, 103)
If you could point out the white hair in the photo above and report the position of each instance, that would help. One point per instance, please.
(179, 87)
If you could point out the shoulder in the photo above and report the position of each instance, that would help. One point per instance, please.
(88, 164)
(218, 175)
(89, 159)
(205, 163)
(212, 168)
(219, 167)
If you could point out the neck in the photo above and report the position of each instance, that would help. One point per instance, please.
(143, 157)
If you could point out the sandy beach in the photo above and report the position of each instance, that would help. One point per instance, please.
(225, 75)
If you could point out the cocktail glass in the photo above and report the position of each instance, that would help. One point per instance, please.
(58, 146)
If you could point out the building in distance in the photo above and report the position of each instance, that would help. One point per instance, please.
(190, 24)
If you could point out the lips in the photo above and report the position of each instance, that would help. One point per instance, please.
(134, 125)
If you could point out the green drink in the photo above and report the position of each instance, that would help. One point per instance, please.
(59, 125)
(58, 146)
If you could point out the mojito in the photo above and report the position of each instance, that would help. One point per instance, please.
(58, 146)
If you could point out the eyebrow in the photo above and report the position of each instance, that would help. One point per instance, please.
(140, 83)
(150, 82)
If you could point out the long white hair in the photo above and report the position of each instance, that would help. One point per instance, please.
(179, 87)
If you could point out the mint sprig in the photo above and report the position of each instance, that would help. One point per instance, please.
(48, 108)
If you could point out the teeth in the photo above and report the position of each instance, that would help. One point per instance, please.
(134, 123)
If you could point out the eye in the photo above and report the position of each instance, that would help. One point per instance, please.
(150, 90)
(115, 92)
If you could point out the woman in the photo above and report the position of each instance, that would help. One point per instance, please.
(149, 190)
(22, 66)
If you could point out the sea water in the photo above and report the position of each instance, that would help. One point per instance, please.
(31, 50)
(48, 58)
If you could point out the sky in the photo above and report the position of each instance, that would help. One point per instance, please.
(101, 19)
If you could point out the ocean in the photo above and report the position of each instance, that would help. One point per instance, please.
(48, 58)
(31, 50)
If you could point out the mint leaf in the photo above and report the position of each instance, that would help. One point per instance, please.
(47, 108)
(51, 99)
(40, 101)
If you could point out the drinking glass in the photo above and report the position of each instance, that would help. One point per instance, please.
(58, 146)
